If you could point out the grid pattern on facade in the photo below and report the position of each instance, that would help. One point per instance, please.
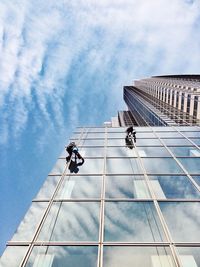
(122, 207)
(178, 98)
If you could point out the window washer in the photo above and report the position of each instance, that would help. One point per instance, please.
(130, 139)
(75, 157)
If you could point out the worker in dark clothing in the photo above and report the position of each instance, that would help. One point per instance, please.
(74, 157)
(130, 139)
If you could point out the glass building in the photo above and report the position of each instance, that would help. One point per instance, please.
(122, 207)
(164, 101)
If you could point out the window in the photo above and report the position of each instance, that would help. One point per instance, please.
(132, 222)
(127, 256)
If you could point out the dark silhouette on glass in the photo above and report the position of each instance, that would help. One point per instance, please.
(74, 158)
(130, 138)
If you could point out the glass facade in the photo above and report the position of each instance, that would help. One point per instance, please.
(123, 207)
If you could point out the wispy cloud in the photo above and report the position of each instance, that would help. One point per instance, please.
(66, 57)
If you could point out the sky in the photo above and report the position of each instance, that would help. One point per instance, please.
(63, 64)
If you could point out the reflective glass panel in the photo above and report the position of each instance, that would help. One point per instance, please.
(48, 187)
(143, 129)
(163, 129)
(96, 129)
(13, 256)
(161, 165)
(27, 227)
(173, 187)
(91, 166)
(120, 151)
(187, 128)
(93, 142)
(80, 187)
(177, 141)
(197, 179)
(169, 134)
(175, 213)
(116, 142)
(192, 134)
(123, 166)
(116, 135)
(60, 256)
(92, 151)
(153, 152)
(196, 141)
(189, 256)
(127, 256)
(148, 142)
(138, 134)
(132, 222)
(126, 187)
(187, 151)
(71, 221)
(192, 165)
(95, 135)
(116, 129)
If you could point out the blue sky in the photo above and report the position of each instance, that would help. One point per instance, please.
(63, 64)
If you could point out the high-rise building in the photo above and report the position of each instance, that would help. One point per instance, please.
(165, 100)
(122, 207)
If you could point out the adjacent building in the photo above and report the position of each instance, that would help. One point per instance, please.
(164, 100)
(122, 207)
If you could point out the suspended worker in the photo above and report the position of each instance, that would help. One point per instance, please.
(130, 139)
(74, 157)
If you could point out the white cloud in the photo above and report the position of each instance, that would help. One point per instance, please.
(44, 45)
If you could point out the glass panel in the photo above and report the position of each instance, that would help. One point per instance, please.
(128, 256)
(132, 222)
(96, 129)
(197, 179)
(196, 141)
(183, 220)
(145, 135)
(48, 187)
(71, 221)
(57, 256)
(138, 134)
(189, 256)
(123, 166)
(192, 134)
(163, 129)
(82, 187)
(153, 152)
(93, 142)
(148, 142)
(173, 187)
(116, 142)
(30, 222)
(161, 166)
(143, 129)
(169, 134)
(95, 135)
(92, 151)
(13, 256)
(116, 129)
(187, 151)
(177, 141)
(187, 128)
(91, 166)
(126, 187)
(120, 151)
(192, 165)
(116, 135)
